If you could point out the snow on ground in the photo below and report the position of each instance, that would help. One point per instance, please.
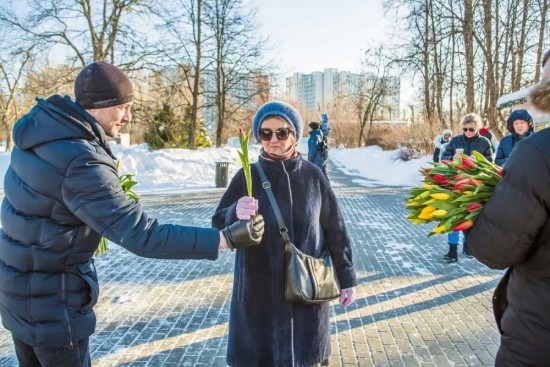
(174, 170)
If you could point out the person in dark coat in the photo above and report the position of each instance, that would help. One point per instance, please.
(520, 126)
(62, 194)
(265, 329)
(513, 231)
(316, 147)
(466, 143)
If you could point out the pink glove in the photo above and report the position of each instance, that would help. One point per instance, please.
(246, 206)
(347, 296)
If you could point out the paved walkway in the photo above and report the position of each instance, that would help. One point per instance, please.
(411, 310)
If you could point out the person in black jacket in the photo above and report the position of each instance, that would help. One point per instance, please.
(520, 126)
(466, 143)
(62, 194)
(513, 231)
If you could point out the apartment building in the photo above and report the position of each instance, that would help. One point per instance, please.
(316, 91)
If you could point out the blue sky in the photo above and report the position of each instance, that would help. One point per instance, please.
(311, 35)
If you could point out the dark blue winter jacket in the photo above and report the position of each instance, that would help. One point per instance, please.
(506, 145)
(61, 195)
(478, 143)
(314, 148)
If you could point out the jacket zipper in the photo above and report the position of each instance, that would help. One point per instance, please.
(69, 329)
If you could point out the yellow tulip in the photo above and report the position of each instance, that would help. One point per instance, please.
(439, 213)
(439, 229)
(428, 202)
(413, 204)
(425, 216)
(423, 195)
(427, 187)
(441, 196)
(428, 210)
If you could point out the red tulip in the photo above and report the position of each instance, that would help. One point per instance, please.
(476, 182)
(474, 206)
(442, 180)
(465, 224)
(468, 163)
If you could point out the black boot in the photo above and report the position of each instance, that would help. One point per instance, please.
(446, 256)
(465, 250)
(452, 256)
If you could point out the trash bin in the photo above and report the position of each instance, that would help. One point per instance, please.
(221, 174)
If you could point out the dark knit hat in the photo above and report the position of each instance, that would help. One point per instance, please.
(277, 109)
(518, 115)
(101, 85)
(314, 125)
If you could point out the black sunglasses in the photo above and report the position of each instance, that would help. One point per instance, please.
(470, 129)
(281, 134)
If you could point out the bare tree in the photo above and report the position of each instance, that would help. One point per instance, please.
(13, 69)
(90, 29)
(239, 75)
(542, 6)
(373, 87)
(182, 49)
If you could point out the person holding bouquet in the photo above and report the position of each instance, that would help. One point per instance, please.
(467, 142)
(513, 231)
(264, 328)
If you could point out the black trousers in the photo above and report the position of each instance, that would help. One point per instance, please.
(77, 356)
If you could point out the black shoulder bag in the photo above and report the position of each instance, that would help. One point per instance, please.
(308, 280)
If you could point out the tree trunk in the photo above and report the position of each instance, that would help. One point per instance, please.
(426, 64)
(521, 47)
(543, 6)
(491, 94)
(468, 32)
(196, 80)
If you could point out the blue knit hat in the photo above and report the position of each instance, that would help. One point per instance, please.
(278, 109)
(518, 115)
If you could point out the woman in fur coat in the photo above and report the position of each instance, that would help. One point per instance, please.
(265, 329)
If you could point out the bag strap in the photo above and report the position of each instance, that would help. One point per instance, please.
(267, 187)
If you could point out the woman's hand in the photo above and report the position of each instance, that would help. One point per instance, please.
(347, 296)
(246, 207)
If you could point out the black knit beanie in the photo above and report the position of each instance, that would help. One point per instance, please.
(101, 85)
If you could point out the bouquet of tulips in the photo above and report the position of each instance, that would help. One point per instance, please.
(126, 181)
(453, 193)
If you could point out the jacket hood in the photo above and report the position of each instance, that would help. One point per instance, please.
(56, 118)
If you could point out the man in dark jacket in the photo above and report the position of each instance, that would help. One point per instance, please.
(513, 231)
(466, 143)
(62, 194)
(520, 126)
